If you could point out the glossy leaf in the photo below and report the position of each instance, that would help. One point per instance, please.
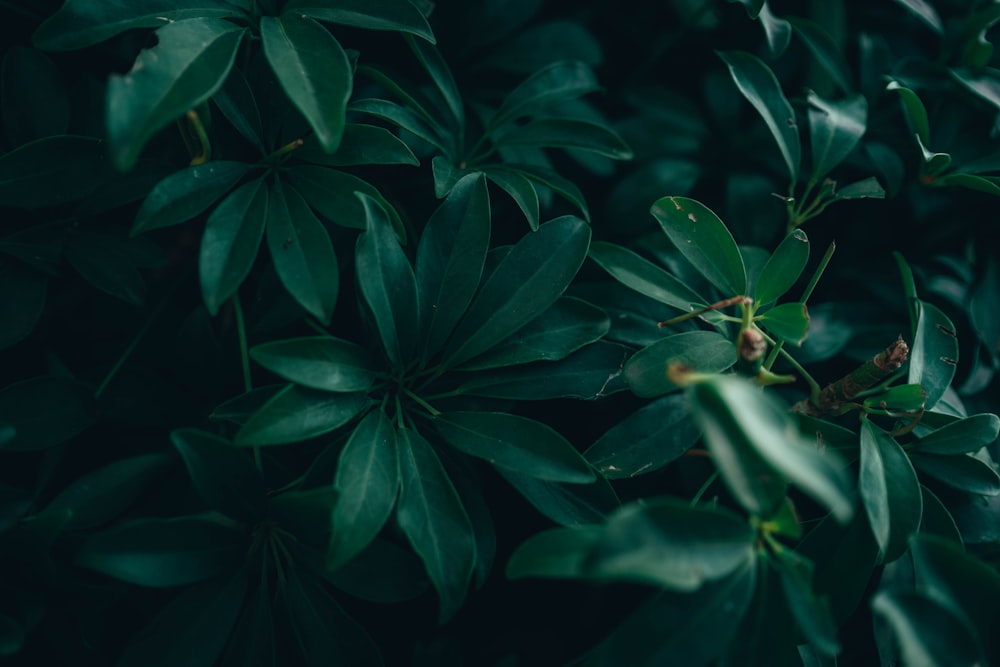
(788, 322)
(566, 504)
(331, 193)
(434, 521)
(22, 301)
(360, 144)
(302, 252)
(835, 128)
(450, 259)
(559, 553)
(702, 351)
(778, 31)
(811, 612)
(187, 66)
(915, 111)
(403, 117)
(527, 281)
(646, 440)
(52, 171)
(368, 14)
(758, 85)
(165, 552)
(889, 491)
(223, 475)
(313, 70)
(643, 276)
(704, 241)
(559, 82)
(386, 282)
(517, 443)
(901, 398)
(186, 193)
(367, 482)
(437, 67)
(567, 133)
(962, 436)
(934, 354)
(296, 413)
(44, 412)
(229, 246)
(548, 178)
(825, 50)
(783, 268)
(318, 362)
(924, 11)
(520, 189)
(959, 471)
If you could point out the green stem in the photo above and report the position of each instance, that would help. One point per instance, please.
(814, 388)
(241, 335)
(827, 256)
(316, 327)
(704, 488)
(421, 402)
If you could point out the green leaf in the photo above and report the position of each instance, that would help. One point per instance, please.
(558, 82)
(778, 31)
(165, 552)
(450, 259)
(386, 282)
(318, 362)
(332, 194)
(549, 179)
(559, 553)
(22, 301)
(835, 128)
(901, 398)
(965, 435)
(230, 243)
(223, 475)
(359, 145)
(404, 117)
(812, 613)
(306, 513)
(52, 171)
(924, 11)
(106, 261)
(566, 504)
(526, 282)
(646, 440)
(567, 133)
(189, 63)
(446, 175)
(959, 471)
(970, 181)
(367, 482)
(438, 68)
(934, 355)
(33, 96)
(788, 322)
(517, 443)
(545, 42)
(383, 572)
(43, 412)
(296, 413)
(520, 189)
(826, 51)
(936, 519)
(702, 351)
(252, 642)
(914, 110)
(759, 86)
(866, 188)
(432, 517)
(302, 252)
(368, 14)
(702, 238)
(783, 268)
(643, 276)
(235, 99)
(312, 69)
(926, 632)
(191, 629)
(889, 491)
(186, 193)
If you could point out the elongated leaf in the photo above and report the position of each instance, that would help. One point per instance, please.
(866, 188)
(432, 517)
(164, 552)
(548, 178)
(934, 355)
(450, 259)
(332, 194)
(52, 171)
(252, 643)
(43, 412)
(313, 70)
(186, 193)
(302, 252)
(889, 491)
(835, 128)
(703, 240)
(568, 133)
(965, 435)
(702, 351)
(566, 504)
(825, 50)
(386, 282)
(223, 475)
(360, 144)
(811, 611)
(296, 413)
(517, 443)
(559, 82)
(368, 14)
(778, 31)
(318, 362)
(230, 243)
(959, 471)
(237, 103)
(436, 66)
(759, 86)
(189, 63)
(520, 189)
(783, 268)
(526, 282)
(927, 632)
(789, 322)
(924, 11)
(404, 117)
(367, 482)
(915, 111)
(643, 276)
(556, 553)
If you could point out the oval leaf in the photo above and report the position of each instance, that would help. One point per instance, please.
(559, 82)
(643, 276)
(889, 490)
(934, 355)
(318, 362)
(835, 128)
(186, 193)
(783, 268)
(965, 435)
(702, 351)
(789, 322)
(567, 133)
(296, 413)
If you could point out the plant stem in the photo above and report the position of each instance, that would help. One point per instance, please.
(421, 402)
(813, 385)
(316, 327)
(823, 262)
(704, 488)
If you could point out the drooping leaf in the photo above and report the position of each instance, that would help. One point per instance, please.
(52, 171)
(43, 412)
(783, 268)
(934, 354)
(520, 189)
(643, 276)
(360, 144)
(702, 351)
(368, 14)
(890, 492)
(915, 111)
(318, 362)
(835, 128)
(567, 133)
(189, 63)
(558, 82)
(186, 193)
(788, 322)
(296, 413)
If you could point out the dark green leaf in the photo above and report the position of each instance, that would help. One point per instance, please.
(826, 51)
(189, 63)
(165, 552)
(548, 178)
(306, 514)
(915, 111)
(236, 101)
(331, 193)
(643, 276)
(296, 413)
(33, 96)
(360, 144)
(252, 643)
(646, 440)
(302, 252)
(186, 193)
(230, 242)
(926, 632)
(368, 14)
(835, 128)
(44, 412)
(438, 68)
(318, 362)
(367, 482)
(936, 519)
(404, 117)
(52, 171)
(867, 188)
(386, 282)
(239, 408)
(22, 300)
(788, 322)
(558, 82)
(701, 351)
(567, 133)
(383, 572)
(223, 475)
(924, 11)
(703, 240)
(107, 262)
(811, 611)
(517, 443)
(959, 471)
(934, 355)
(965, 435)
(970, 181)
(12, 635)
(783, 268)
(450, 259)
(539, 44)
(446, 175)
(313, 70)
(566, 504)
(778, 31)
(759, 86)
(559, 553)
(889, 491)
(520, 189)
(432, 517)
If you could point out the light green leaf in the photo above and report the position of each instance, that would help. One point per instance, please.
(318, 362)
(296, 413)
(702, 351)
(889, 491)
(789, 322)
(397, 15)
(835, 128)
(186, 193)
(783, 268)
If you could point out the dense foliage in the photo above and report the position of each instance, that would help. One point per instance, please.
(510, 332)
